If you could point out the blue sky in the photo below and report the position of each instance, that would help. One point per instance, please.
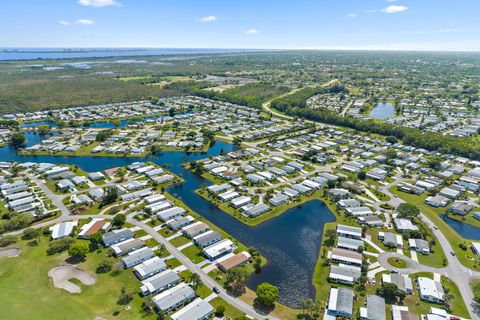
(303, 24)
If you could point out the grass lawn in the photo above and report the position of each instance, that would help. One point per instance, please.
(458, 307)
(467, 257)
(229, 310)
(27, 292)
(180, 241)
(397, 262)
(194, 253)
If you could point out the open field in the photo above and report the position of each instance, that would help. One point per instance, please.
(25, 278)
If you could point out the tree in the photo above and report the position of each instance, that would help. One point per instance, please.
(235, 279)
(60, 245)
(448, 299)
(391, 293)
(17, 139)
(237, 141)
(267, 294)
(331, 235)
(78, 250)
(408, 210)
(119, 220)
(104, 266)
(103, 135)
(43, 128)
(195, 281)
(148, 305)
(111, 196)
(30, 233)
(171, 112)
(96, 240)
(7, 240)
(126, 296)
(362, 175)
(220, 310)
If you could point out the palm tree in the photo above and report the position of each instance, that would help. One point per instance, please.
(303, 305)
(195, 281)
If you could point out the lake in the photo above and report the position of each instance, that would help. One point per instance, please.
(383, 111)
(291, 242)
(56, 53)
(465, 230)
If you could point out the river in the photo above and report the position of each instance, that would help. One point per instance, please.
(291, 242)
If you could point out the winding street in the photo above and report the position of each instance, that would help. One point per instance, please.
(458, 273)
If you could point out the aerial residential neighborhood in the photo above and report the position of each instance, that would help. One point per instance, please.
(234, 160)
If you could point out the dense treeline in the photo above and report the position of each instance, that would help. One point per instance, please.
(250, 95)
(294, 105)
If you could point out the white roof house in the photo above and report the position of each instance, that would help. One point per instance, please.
(430, 290)
(219, 249)
(62, 230)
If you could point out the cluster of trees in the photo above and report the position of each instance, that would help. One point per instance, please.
(250, 95)
(294, 105)
(17, 139)
(15, 222)
(103, 135)
(60, 245)
(5, 123)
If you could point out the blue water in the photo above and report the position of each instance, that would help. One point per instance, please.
(383, 111)
(465, 230)
(95, 125)
(290, 242)
(55, 53)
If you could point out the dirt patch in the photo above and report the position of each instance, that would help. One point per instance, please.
(61, 276)
(9, 253)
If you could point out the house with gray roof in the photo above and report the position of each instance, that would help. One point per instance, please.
(340, 302)
(137, 256)
(374, 310)
(116, 236)
(344, 274)
(160, 282)
(149, 268)
(174, 297)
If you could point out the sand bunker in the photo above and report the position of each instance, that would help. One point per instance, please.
(9, 253)
(62, 274)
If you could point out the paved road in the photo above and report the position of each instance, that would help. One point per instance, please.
(56, 199)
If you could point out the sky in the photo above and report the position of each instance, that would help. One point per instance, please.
(452, 25)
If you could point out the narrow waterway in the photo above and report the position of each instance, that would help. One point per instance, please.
(290, 242)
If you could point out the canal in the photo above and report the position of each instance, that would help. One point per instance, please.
(291, 242)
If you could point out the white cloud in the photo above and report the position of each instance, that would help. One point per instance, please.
(370, 11)
(63, 23)
(391, 0)
(252, 31)
(394, 9)
(98, 3)
(352, 15)
(85, 22)
(208, 19)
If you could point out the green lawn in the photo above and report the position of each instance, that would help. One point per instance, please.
(27, 292)
(193, 253)
(180, 241)
(397, 262)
